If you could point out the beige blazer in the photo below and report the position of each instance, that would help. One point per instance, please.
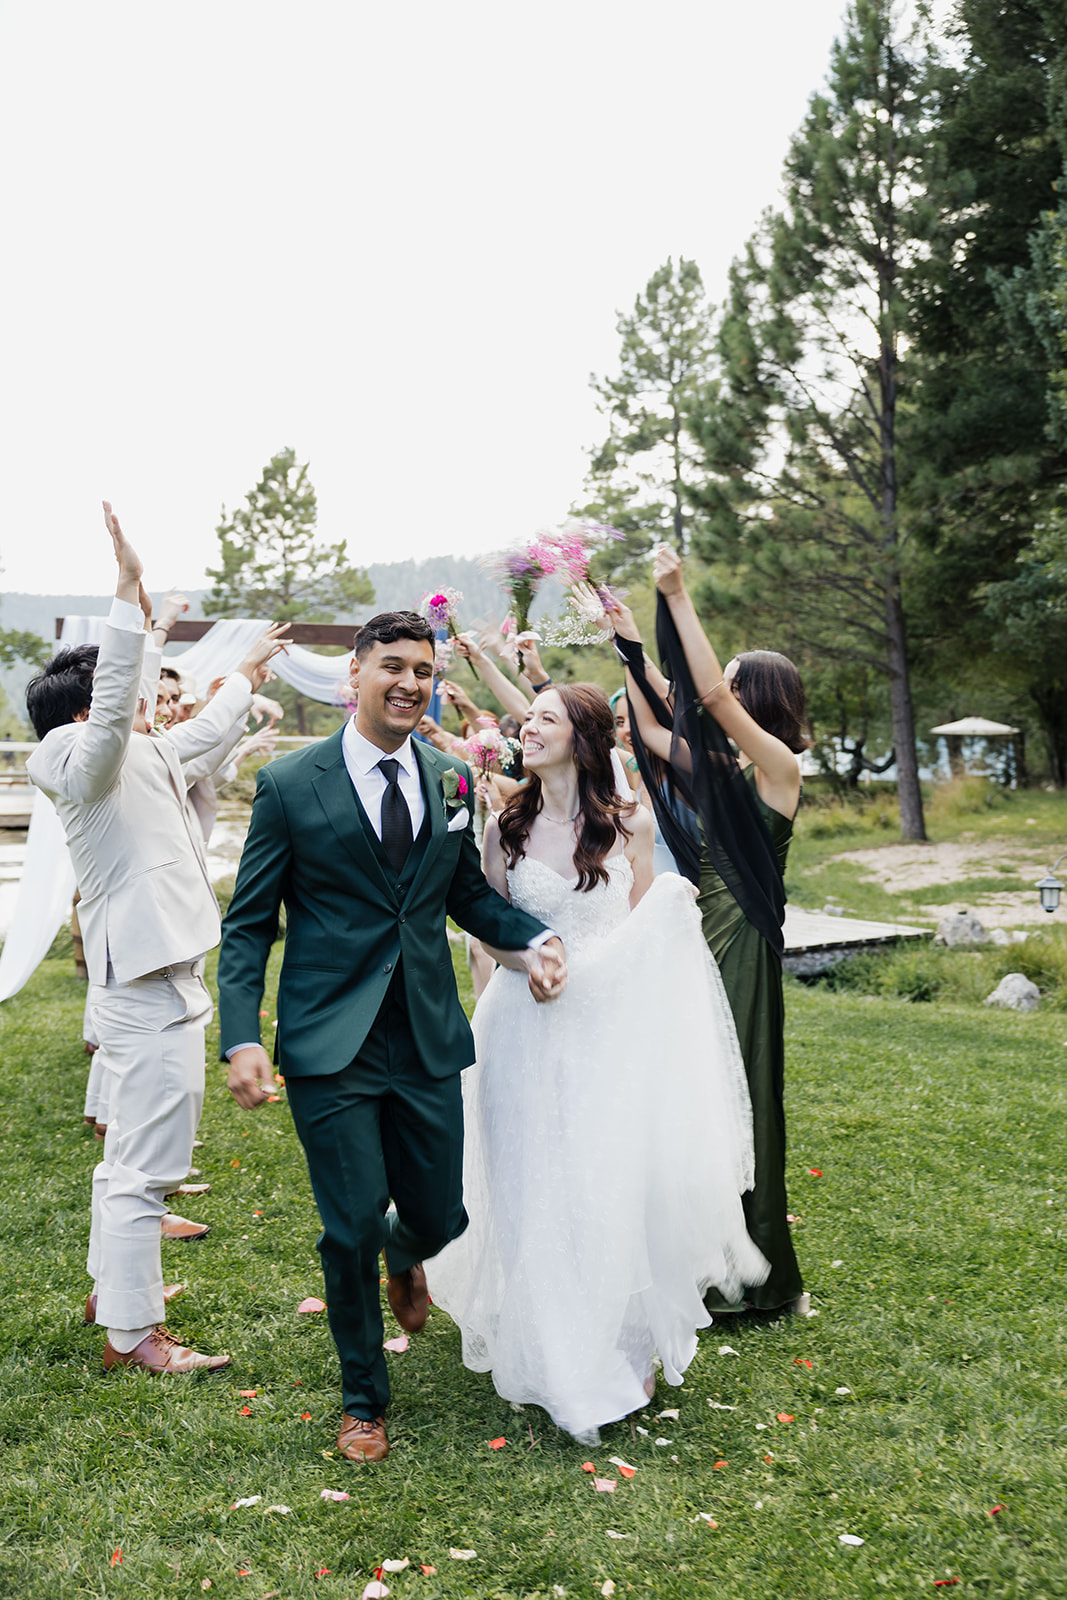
(137, 849)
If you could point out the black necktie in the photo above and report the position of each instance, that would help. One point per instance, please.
(396, 818)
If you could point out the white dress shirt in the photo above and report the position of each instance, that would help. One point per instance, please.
(370, 782)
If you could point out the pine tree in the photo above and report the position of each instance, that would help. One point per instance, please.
(639, 476)
(801, 440)
(272, 564)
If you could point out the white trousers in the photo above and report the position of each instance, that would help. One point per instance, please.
(152, 1031)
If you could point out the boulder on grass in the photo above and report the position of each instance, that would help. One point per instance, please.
(961, 931)
(1016, 993)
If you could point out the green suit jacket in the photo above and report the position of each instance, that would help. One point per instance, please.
(349, 920)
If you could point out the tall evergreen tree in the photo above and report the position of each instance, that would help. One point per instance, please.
(639, 476)
(272, 563)
(802, 439)
(988, 426)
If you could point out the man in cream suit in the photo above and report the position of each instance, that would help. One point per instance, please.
(368, 839)
(148, 914)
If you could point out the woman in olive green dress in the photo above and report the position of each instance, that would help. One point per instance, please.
(758, 703)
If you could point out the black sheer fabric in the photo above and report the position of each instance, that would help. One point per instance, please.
(704, 775)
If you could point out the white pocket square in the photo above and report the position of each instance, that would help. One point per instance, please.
(458, 820)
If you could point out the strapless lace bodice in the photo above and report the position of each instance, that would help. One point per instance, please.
(579, 919)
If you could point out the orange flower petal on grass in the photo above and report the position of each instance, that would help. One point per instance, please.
(497, 1444)
(248, 1394)
(305, 1416)
(786, 1416)
(587, 1466)
(815, 1172)
(802, 1361)
(717, 1464)
(428, 1572)
(116, 1558)
(245, 1411)
(623, 1466)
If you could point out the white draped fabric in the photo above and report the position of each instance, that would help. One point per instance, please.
(46, 890)
(225, 646)
(46, 887)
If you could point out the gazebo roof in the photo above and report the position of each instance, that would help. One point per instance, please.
(974, 728)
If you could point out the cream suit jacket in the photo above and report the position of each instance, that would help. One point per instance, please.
(135, 843)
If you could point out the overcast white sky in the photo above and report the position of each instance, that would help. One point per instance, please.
(393, 237)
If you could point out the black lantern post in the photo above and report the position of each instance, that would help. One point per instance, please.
(1050, 888)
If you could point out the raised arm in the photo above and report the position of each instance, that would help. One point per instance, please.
(777, 772)
(511, 697)
(617, 619)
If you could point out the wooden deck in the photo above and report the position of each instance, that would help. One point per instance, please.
(816, 941)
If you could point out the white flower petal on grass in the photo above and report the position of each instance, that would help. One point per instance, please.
(669, 1416)
(604, 1485)
(333, 1494)
(837, 1263)
(462, 1555)
(282, 1510)
(396, 1566)
(643, 1432)
(607, 1588)
(664, 1442)
(849, 1538)
(375, 1590)
(705, 1516)
(623, 1466)
(613, 1535)
(727, 1350)
(717, 1405)
(844, 1389)
(249, 1500)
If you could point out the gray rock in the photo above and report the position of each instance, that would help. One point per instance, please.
(961, 931)
(1015, 992)
(999, 936)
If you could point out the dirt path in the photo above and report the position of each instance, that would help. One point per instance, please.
(910, 868)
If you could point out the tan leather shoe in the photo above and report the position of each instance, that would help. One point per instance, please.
(362, 1440)
(181, 1228)
(409, 1298)
(160, 1352)
(101, 1130)
(188, 1189)
(171, 1291)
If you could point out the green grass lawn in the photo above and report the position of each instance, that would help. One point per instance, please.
(927, 1176)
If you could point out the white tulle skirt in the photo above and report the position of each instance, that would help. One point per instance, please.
(608, 1141)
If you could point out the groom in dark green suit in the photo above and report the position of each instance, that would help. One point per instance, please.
(368, 840)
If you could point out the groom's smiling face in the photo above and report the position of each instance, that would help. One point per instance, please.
(394, 682)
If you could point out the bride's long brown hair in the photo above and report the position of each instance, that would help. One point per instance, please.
(600, 806)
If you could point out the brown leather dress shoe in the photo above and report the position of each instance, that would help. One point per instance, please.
(363, 1440)
(181, 1228)
(161, 1352)
(409, 1297)
(170, 1292)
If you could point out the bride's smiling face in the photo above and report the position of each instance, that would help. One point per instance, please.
(547, 736)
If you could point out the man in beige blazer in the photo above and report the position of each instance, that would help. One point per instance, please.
(148, 914)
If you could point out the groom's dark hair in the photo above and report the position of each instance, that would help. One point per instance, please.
(388, 627)
(63, 690)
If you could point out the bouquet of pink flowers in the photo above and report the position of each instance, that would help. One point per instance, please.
(563, 553)
(485, 747)
(441, 608)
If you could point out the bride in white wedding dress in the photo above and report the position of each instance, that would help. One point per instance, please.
(609, 1133)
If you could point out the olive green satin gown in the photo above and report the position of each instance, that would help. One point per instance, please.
(752, 976)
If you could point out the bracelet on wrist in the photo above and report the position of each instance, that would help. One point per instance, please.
(537, 687)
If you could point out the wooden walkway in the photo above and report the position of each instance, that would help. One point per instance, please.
(815, 941)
